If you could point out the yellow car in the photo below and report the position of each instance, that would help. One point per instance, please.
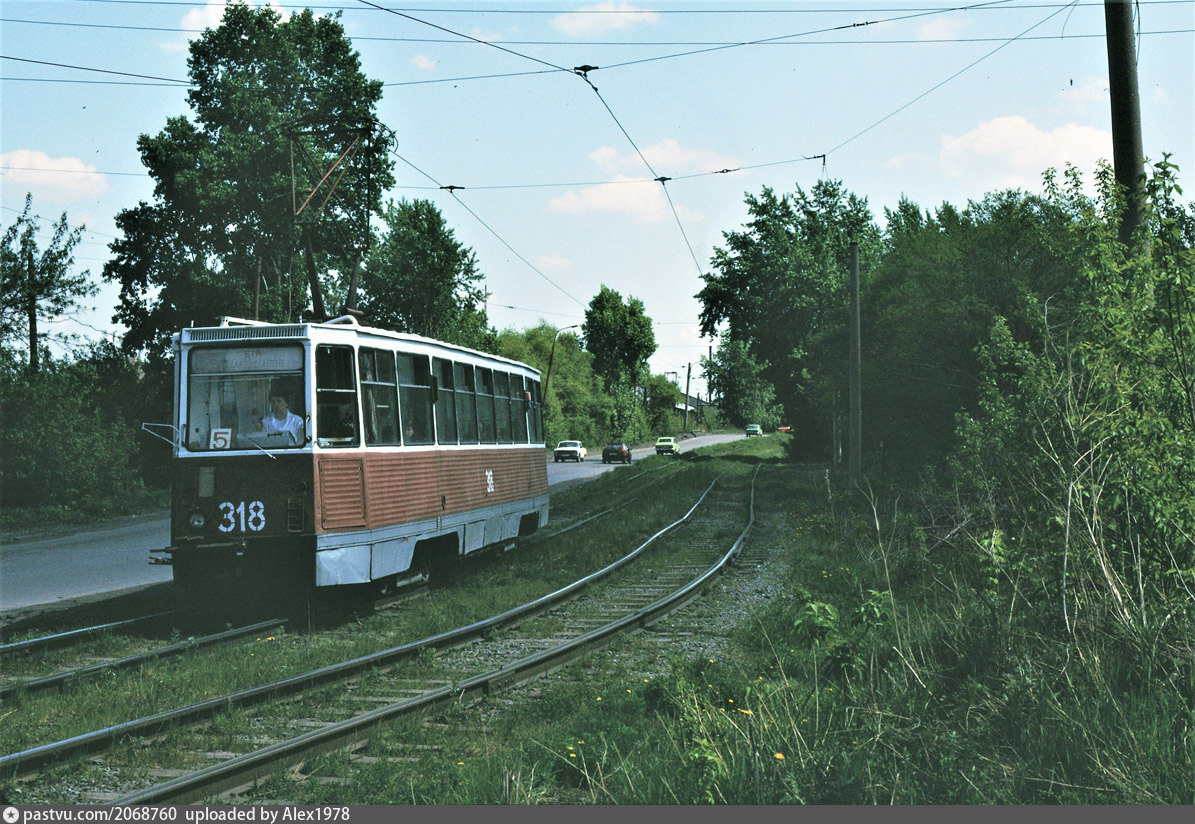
(666, 446)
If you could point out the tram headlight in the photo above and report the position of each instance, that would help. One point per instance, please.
(197, 520)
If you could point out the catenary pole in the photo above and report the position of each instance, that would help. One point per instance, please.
(688, 377)
(855, 460)
(1127, 153)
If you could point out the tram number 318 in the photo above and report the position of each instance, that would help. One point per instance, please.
(242, 517)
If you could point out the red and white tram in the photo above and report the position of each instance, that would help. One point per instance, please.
(326, 454)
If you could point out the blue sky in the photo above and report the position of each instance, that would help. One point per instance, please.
(559, 197)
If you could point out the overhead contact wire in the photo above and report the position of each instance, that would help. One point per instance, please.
(452, 191)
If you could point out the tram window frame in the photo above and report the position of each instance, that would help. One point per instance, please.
(502, 411)
(518, 410)
(445, 402)
(379, 396)
(228, 391)
(466, 403)
(336, 394)
(415, 398)
(485, 405)
(537, 411)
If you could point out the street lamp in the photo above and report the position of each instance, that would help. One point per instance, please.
(552, 356)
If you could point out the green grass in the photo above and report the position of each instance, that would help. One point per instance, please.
(888, 669)
(882, 675)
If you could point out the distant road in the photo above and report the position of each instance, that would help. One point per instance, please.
(64, 568)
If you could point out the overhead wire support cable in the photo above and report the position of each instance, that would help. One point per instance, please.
(942, 83)
(582, 72)
(451, 189)
(782, 37)
(90, 69)
(478, 40)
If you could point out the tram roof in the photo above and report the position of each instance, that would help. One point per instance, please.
(233, 329)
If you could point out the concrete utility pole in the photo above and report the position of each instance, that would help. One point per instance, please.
(688, 377)
(1128, 156)
(855, 458)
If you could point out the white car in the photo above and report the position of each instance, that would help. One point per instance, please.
(569, 451)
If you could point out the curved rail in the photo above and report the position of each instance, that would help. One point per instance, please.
(248, 769)
(35, 758)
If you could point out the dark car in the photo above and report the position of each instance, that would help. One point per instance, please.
(616, 452)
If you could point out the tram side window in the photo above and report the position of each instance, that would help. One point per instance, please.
(518, 409)
(446, 403)
(415, 398)
(485, 405)
(466, 410)
(379, 397)
(502, 406)
(336, 397)
(537, 416)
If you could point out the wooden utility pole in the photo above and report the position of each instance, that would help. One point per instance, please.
(1128, 156)
(855, 458)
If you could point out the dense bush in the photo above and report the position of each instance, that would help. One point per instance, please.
(60, 448)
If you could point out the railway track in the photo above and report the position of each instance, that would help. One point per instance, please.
(68, 637)
(68, 669)
(585, 615)
(73, 675)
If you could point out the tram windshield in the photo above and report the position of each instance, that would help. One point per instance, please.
(246, 397)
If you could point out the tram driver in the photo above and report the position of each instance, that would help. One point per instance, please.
(281, 419)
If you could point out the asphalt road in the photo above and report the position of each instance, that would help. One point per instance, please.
(64, 569)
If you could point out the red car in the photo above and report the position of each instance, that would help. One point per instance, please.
(616, 452)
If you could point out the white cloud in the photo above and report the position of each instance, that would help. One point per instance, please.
(601, 18)
(554, 263)
(487, 36)
(1011, 152)
(667, 156)
(632, 193)
(1091, 91)
(205, 17)
(638, 197)
(423, 63)
(210, 17)
(941, 29)
(53, 179)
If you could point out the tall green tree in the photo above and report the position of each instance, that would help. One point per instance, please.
(575, 405)
(221, 236)
(738, 387)
(780, 285)
(620, 337)
(662, 396)
(420, 279)
(943, 280)
(37, 284)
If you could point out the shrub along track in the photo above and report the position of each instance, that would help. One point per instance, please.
(275, 728)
